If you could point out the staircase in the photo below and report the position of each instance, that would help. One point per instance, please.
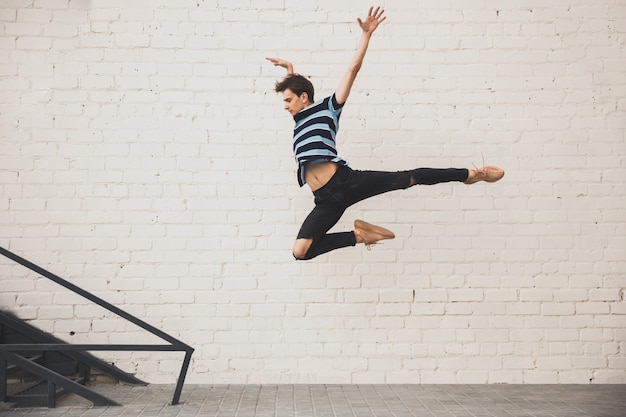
(36, 368)
(40, 377)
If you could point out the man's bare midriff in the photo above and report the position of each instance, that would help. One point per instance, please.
(317, 174)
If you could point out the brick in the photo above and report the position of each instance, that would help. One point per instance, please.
(23, 28)
(33, 43)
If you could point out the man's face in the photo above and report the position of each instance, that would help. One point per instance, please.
(294, 103)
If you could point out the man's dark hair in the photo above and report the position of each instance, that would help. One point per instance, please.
(296, 83)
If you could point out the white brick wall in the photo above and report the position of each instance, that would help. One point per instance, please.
(145, 157)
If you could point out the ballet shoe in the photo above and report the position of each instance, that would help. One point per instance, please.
(486, 173)
(371, 234)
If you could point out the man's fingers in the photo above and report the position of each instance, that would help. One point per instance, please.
(374, 16)
(375, 13)
(276, 61)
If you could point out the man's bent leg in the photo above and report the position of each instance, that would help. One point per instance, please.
(321, 245)
(313, 239)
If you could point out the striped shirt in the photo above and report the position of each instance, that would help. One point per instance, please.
(314, 134)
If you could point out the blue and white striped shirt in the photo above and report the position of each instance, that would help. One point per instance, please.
(314, 134)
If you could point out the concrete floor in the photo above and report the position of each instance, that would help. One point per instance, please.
(345, 400)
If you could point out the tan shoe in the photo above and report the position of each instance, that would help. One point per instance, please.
(487, 174)
(370, 234)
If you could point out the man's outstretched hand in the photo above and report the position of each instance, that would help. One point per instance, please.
(373, 19)
(278, 62)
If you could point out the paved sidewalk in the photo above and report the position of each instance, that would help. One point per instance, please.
(346, 400)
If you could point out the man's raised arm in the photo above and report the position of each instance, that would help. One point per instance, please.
(368, 26)
(282, 63)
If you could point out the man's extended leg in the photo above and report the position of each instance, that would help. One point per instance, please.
(366, 184)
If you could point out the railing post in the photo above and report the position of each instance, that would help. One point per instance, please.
(181, 377)
(52, 397)
(3, 379)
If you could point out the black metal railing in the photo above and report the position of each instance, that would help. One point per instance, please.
(174, 345)
(58, 372)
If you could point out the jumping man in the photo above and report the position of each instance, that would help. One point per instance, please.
(334, 184)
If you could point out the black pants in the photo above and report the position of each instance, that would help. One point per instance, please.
(348, 187)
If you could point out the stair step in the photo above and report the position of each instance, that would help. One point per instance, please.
(36, 359)
(37, 392)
